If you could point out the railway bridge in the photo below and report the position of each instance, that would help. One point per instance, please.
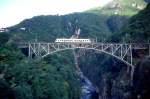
(121, 51)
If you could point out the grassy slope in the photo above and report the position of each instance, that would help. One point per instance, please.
(122, 7)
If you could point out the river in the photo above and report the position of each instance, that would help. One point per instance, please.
(88, 91)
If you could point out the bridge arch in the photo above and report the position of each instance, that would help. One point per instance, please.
(118, 50)
(100, 51)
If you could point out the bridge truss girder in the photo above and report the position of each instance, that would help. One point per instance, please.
(122, 52)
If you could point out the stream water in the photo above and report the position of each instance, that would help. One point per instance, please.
(88, 90)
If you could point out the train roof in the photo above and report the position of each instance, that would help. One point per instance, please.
(74, 38)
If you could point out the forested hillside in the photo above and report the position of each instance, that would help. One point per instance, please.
(55, 77)
(137, 30)
(92, 24)
(20, 78)
(48, 28)
(138, 27)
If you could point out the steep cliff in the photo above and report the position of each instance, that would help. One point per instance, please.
(141, 80)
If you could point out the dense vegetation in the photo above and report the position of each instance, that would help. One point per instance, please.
(48, 28)
(138, 28)
(20, 78)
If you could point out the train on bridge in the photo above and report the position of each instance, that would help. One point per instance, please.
(72, 40)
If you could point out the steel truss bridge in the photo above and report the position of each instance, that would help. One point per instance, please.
(121, 51)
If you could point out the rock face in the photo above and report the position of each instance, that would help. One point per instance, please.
(112, 78)
(142, 80)
(109, 75)
(88, 90)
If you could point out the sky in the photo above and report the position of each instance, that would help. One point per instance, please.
(14, 11)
